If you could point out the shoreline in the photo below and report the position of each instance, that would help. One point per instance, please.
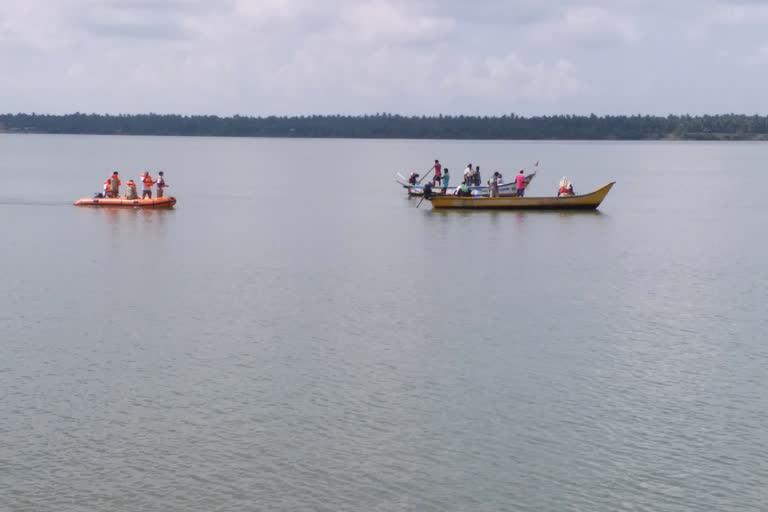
(722, 138)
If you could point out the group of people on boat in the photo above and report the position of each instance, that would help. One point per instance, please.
(442, 176)
(113, 183)
(471, 178)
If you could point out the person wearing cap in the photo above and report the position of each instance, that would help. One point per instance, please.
(160, 184)
(520, 183)
(114, 185)
(146, 180)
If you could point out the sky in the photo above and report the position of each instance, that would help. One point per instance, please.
(409, 57)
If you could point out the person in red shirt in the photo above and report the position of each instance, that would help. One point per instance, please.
(438, 173)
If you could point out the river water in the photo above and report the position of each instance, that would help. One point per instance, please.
(297, 335)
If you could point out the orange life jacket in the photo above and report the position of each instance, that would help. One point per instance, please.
(147, 180)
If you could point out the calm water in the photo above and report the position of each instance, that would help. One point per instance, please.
(297, 335)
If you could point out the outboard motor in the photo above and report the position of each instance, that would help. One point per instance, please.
(427, 190)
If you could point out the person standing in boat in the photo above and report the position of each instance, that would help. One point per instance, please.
(160, 184)
(146, 191)
(114, 185)
(476, 176)
(493, 183)
(446, 179)
(468, 175)
(520, 183)
(438, 173)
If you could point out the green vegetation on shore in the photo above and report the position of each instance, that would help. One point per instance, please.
(384, 126)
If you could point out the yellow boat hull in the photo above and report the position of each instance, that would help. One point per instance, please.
(583, 202)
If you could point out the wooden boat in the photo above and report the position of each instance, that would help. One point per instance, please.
(155, 202)
(583, 202)
(505, 189)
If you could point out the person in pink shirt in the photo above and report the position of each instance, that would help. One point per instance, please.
(438, 173)
(520, 183)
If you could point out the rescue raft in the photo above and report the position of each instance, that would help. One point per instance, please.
(155, 202)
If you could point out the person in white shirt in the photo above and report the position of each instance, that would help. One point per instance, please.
(146, 180)
(160, 184)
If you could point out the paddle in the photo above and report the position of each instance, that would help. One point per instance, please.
(427, 193)
(426, 174)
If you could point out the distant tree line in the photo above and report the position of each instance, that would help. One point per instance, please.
(506, 127)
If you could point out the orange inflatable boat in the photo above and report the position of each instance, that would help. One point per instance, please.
(155, 202)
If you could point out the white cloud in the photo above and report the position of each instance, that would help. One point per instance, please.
(380, 22)
(406, 56)
(718, 19)
(589, 26)
(32, 24)
(598, 24)
(512, 80)
(760, 57)
(270, 11)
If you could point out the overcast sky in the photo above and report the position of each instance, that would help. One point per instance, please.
(263, 57)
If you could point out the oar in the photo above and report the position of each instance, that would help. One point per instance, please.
(426, 174)
(425, 195)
